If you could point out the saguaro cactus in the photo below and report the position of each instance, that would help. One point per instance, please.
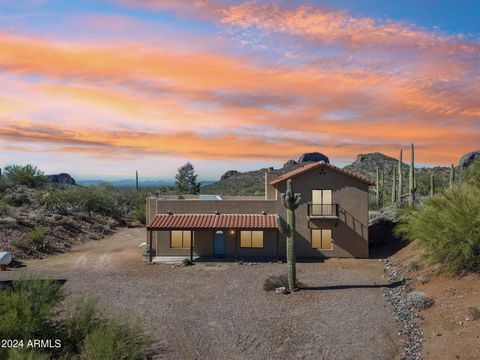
(400, 179)
(432, 185)
(377, 186)
(290, 201)
(412, 186)
(452, 175)
(394, 184)
(136, 179)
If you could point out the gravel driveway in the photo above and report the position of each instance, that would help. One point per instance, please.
(210, 311)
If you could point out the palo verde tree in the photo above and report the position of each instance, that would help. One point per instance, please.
(290, 201)
(186, 180)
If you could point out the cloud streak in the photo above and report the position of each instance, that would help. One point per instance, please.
(324, 81)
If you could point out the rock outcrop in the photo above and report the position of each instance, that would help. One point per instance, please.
(469, 158)
(61, 179)
(289, 164)
(313, 157)
(229, 174)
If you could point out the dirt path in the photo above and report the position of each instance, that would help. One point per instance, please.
(117, 251)
(220, 311)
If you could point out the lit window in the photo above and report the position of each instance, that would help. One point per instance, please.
(251, 239)
(322, 239)
(180, 239)
(322, 202)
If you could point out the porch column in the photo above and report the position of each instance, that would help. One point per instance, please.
(236, 244)
(191, 245)
(150, 253)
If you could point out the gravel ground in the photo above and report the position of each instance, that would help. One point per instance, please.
(222, 312)
(405, 311)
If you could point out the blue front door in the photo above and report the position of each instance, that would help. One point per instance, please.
(219, 243)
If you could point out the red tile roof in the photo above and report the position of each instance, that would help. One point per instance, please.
(212, 221)
(306, 168)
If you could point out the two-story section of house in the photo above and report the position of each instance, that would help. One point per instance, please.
(332, 220)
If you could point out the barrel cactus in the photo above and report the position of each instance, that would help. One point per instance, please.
(291, 202)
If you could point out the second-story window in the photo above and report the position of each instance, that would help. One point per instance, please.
(322, 202)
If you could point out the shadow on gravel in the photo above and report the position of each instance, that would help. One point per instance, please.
(360, 286)
(6, 284)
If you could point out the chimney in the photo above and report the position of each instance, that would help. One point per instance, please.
(270, 191)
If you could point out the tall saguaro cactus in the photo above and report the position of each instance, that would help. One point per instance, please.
(394, 184)
(452, 175)
(136, 179)
(412, 186)
(432, 185)
(290, 201)
(400, 179)
(377, 186)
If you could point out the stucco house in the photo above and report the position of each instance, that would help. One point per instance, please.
(332, 220)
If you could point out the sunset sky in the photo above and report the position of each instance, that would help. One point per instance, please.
(102, 88)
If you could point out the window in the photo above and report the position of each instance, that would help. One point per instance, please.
(180, 239)
(322, 239)
(251, 239)
(322, 202)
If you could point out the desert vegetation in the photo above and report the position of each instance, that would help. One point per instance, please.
(34, 309)
(39, 217)
(447, 224)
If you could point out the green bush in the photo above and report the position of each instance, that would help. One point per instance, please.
(27, 175)
(4, 209)
(139, 214)
(471, 175)
(113, 340)
(26, 354)
(448, 227)
(79, 323)
(34, 240)
(120, 204)
(27, 309)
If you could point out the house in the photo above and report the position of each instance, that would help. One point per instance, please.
(332, 220)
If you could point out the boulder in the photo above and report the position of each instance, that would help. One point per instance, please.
(61, 179)
(469, 158)
(290, 163)
(229, 174)
(313, 157)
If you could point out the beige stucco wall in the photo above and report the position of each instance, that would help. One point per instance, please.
(350, 232)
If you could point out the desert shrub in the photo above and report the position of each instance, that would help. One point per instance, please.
(29, 310)
(27, 175)
(448, 227)
(26, 309)
(275, 281)
(17, 199)
(113, 340)
(80, 322)
(34, 240)
(471, 175)
(139, 214)
(187, 262)
(120, 204)
(4, 209)
(419, 300)
(27, 354)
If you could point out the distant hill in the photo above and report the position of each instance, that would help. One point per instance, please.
(127, 183)
(366, 165)
(252, 182)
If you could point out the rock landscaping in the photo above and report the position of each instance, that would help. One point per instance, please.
(405, 303)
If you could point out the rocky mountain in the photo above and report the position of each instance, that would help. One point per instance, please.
(234, 183)
(251, 183)
(469, 158)
(61, 179)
